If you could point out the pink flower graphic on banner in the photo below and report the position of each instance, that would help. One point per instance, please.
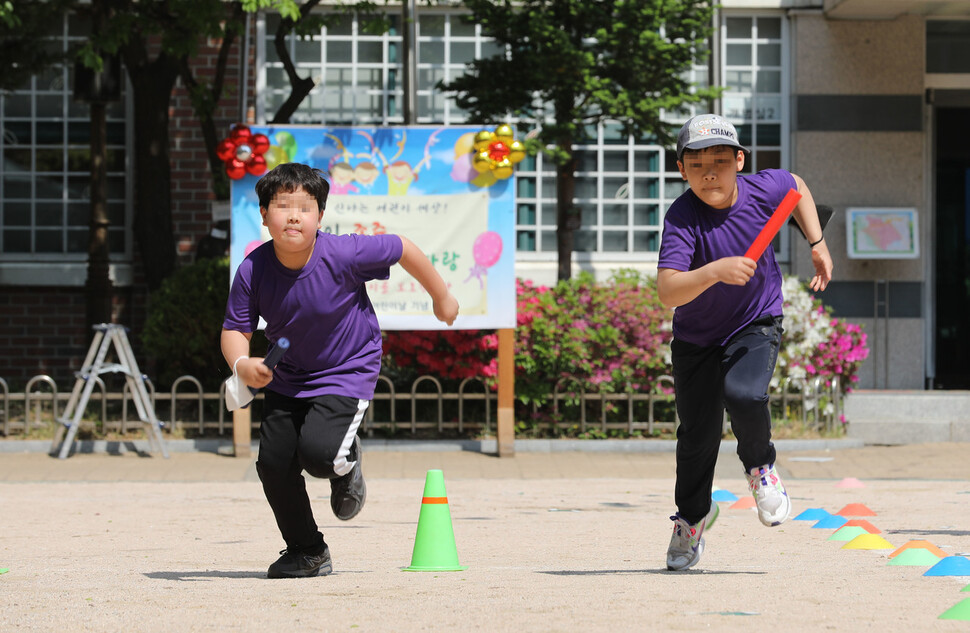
(486, 250)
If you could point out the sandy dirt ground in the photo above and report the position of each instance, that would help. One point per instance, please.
(543, 554)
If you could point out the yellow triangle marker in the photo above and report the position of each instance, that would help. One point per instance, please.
(868, 541)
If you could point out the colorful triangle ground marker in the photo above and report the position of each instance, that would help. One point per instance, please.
(865, 525)
(868, 541)
(915, 557)
(850, 482)
(967, 588)
(723, 495)
(743, 503)
(831, 522)
(812, 514)
(856, 510)
(950, 566)
(959, 611)
(847, 533)
(923, 544)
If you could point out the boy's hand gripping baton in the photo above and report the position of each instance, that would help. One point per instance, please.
(775, 222)
(273, 356)
(238, 394)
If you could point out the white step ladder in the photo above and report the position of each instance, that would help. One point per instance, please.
(105, 335)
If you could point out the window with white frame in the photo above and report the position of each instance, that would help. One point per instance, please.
(623, 185)
(754, 53)
(45, 171)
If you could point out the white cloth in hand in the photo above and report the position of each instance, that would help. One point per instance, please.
(238, 394)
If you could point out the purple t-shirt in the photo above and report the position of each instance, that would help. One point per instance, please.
(323, 309)
(696, 234)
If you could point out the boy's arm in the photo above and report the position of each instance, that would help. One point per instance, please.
(235, 349)
(679, 287)
(418, 266)
(806, 215)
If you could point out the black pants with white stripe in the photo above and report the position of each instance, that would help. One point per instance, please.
(312, 434)
(706, 381)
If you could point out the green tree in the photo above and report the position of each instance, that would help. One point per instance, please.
(571, 64)
(22, 24)
(156, 40)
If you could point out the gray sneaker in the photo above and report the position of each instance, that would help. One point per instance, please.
(774, 506)
(348, 493)
(687, 541)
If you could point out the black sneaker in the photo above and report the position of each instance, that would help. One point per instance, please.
(302, 563)
(348, 493)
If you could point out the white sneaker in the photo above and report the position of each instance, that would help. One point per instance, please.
(687, 542)
(774, 506)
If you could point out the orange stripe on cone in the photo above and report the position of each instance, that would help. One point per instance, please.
(434, 500)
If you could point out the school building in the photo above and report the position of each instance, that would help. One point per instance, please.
(867, 100)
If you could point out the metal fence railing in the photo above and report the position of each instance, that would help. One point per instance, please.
(423, 408)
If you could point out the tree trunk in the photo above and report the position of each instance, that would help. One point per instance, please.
(98, 285)
(567, 215)
(152, 86)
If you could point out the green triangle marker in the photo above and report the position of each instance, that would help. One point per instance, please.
(915, 556)
(847, 533)
(4, 570)
(967, 588)
(959, 611)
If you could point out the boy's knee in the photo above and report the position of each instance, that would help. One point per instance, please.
(745, 400)
(270, 470)
(318, 462)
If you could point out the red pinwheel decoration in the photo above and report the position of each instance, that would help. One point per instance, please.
(242, 152)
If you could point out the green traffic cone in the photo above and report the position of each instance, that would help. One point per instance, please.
(434, 543)
(959, 611)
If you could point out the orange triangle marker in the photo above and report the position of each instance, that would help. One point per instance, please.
(850, 482)
(865, 525)
(923, 544)
(856, 510)
(743, 503)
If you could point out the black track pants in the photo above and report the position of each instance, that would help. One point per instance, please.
(297, 434)
(706, 381)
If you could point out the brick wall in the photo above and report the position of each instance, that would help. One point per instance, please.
(43, 329)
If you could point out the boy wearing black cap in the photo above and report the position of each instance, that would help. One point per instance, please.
(727, 322)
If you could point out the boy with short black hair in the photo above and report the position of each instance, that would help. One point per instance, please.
(727, 323)
(309, 288)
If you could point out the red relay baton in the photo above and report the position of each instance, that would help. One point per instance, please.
(775, 222)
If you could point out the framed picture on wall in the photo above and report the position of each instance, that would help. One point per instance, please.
(882, 233)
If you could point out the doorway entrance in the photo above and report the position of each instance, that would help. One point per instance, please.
(952, 249)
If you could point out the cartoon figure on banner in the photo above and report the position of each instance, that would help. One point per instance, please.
(486, 250)
(400, 174)
(342, 179)
(339, 169)
(242, 152)
(367, 171)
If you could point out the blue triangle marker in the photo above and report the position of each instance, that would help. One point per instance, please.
(723, 495)
(950, 566)
(831, 522)
(812, 514)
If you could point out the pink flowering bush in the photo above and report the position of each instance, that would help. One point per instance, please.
(815, 344)
(452, 355)
(579, 335)
(597, 337)
(612, 337)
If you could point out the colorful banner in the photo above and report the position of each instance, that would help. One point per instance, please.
(419, 182)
